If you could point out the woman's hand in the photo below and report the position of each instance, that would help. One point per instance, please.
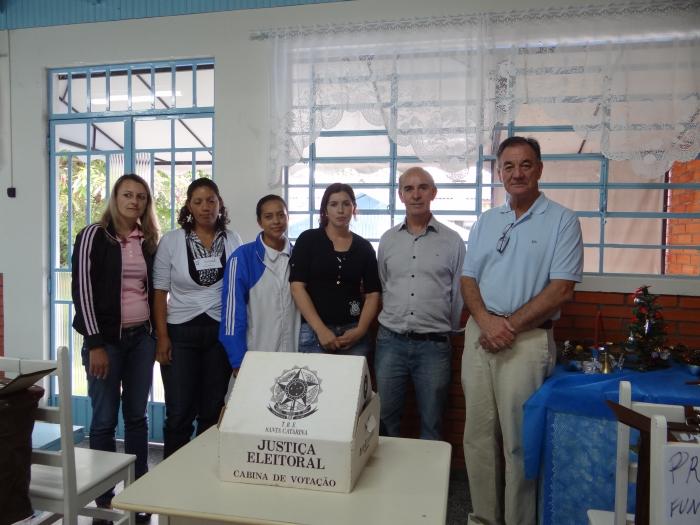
(348, 339)
(327, 339)
(163, 350)
(99, 362)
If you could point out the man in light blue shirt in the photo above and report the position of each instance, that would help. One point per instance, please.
(523, 261)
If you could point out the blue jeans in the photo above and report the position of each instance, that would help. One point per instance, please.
(129, 381)
(195, 383)
(428, 364)
(308, 341)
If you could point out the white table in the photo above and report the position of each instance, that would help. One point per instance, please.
(405, 481)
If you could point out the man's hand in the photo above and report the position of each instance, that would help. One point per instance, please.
(99, 362)
(496, 334)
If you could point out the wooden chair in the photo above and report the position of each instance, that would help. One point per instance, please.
(686, 492)
(64, 482)
(626, 472)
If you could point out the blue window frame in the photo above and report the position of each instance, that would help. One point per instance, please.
(154, 119)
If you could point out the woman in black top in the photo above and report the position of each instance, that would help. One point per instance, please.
(334, 279)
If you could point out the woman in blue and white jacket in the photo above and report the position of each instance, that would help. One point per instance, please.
(257, 311)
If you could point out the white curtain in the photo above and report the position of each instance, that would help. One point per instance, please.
(626, 76)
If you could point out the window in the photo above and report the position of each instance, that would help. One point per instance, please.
(153, 119)
(627, 222)
(360, 102)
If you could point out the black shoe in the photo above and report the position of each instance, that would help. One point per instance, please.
(143, 517)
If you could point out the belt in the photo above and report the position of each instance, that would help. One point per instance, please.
(548, 324)
(436, 337)
(131, 330)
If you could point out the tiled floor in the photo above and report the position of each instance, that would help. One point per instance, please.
(458, 502)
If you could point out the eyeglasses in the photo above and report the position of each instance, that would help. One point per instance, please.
(504, 238)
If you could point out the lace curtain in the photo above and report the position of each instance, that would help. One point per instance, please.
(625, 75)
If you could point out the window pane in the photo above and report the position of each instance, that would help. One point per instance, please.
(590, 228)
(158, 391)
(61, 167)
(297, 224)
(141, 89)
(636, 200)
(205, 86)
(299, 173)
(79, 181)
(460, 223)
(183, 88)
(633, 261)
(193, 133)
(204, 161)
(183, 178)
(59, 89)
(575, 199)
(118, 90)
(164, 88)
(370, 226)
(591, 259)
(367, 146)
(152, 133)
(143, 162)
(98, 188)
(63, 286)
(372, 198)
(373, 173)
(107, 135)
(571, 171)
(98, 91)
(161, 196)
(298, 199)
(78, 93)
(623, 171)
(634, 231)
(70, 137)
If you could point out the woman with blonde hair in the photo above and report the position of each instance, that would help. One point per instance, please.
(112, 266)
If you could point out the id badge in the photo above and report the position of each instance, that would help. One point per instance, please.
(207, 263)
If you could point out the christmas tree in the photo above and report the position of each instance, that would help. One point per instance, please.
(647, 330)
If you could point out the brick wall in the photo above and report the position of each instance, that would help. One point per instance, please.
(683, 231)
(577, 322)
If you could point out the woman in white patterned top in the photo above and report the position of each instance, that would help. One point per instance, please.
(188, 278)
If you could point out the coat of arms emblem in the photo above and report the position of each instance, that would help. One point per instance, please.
(295, 394)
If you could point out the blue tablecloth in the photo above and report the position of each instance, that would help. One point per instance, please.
(569, 434)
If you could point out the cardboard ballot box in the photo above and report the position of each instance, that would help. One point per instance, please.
(308, 421)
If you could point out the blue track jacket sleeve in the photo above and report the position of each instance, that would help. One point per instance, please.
(234, 307)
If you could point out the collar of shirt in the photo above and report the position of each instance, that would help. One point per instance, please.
(136, 233)
(538, 207)
(192, 235)
(273, 254)
(433, 225)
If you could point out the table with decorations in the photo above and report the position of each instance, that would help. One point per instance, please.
(569, 432)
